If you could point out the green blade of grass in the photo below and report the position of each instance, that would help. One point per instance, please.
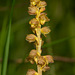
(6, 51)
(4, 30)
(58, 41)
(3, 34)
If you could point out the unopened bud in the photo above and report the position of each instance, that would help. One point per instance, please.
(41, 61)
(43, 18)
(49, 59)
(42, 4)
(28, 59)
(34, 23)
(45, 30)
(32, 56)
(31, 38)
(32, 53)
(31, 72)
(32, 10)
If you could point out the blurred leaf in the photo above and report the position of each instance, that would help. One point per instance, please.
(19, 66)
(4, 30)
(6, 52)
(18, 25)
(3, 33)
(58, 41)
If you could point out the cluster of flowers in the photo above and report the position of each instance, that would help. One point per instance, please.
(36, 8)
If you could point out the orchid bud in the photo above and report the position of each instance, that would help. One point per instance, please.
(31, 72)
(32, 56)
(31, 38)
(28, 59)
(46, 68)
(42, 4)
(41, 61)
(43, 18)
(32, 10)
(49, 59)
(34, 23)
(32, 53)
(45, 30)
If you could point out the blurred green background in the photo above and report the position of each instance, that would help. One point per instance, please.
(60, 42)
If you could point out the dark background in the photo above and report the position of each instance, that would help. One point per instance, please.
(59, 43)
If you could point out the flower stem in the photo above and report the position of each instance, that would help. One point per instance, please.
(39, 48)
(39, 70)
(38, 45)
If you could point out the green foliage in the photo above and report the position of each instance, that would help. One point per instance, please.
(58, 41)
(6, 51)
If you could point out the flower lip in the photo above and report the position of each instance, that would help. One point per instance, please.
(45, 68)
